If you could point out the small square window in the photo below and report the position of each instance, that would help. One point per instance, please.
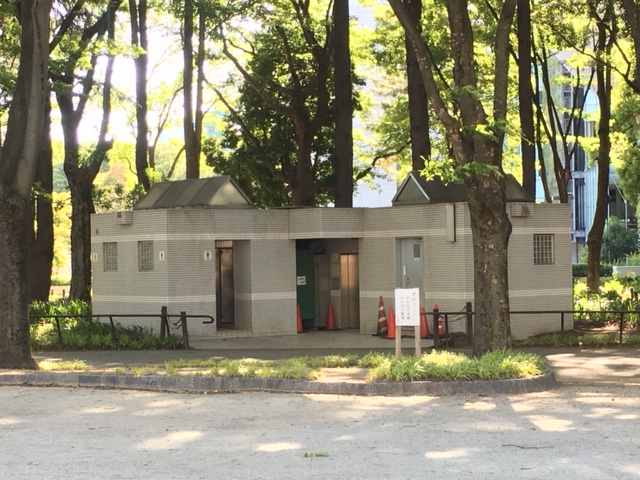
(543, 249)
(110, 255)
(145, 256)
(416, 251)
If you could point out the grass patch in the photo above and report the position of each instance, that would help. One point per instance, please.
(439, 365)
(142, 371)
(66, 365)
(574, 339)
(436, 365)
(316, 454)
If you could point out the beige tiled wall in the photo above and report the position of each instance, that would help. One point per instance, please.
(264, 259)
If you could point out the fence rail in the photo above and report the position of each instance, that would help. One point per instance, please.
(164, 316)
(616, 317)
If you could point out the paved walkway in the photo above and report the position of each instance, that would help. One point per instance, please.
(570, 365)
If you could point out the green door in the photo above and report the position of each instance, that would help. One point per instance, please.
(306, 290)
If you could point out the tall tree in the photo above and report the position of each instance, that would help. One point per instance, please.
(343, 105)
(417, 95)
(604, 16)
(631, 16)
(287, 84)
(476, 139)
(18, 161)
(559, 118)
(193, 116)
(81, 168)
(138, 17)
(41, 237)
(525, 98)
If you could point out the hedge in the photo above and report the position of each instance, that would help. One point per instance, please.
(580, 270)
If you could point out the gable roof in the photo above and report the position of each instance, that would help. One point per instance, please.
(219, 191)
(415, 190)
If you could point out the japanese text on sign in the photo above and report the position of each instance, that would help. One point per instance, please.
(407, 307)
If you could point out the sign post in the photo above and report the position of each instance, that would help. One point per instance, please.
(408, 315)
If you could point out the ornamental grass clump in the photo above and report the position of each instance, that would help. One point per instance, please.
(295, 368)
(455, 366)
(339, 361)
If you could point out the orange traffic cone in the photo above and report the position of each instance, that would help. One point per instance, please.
(331, 321)
(391, 332)
(299, 319)
(383, 327)
(424, 326)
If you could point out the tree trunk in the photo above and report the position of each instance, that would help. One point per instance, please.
(491, 229)
(343, 106)
(190, 147)
(40, 247)
(138, 15)
(490, 225)
(603, 75)
(631, 10)
(418, 107)
(18, 160)
(302, 185)
(200, 78)
(525, 98)
(81, 187)
(81, 172)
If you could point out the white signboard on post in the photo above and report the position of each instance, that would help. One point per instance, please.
(407, 307)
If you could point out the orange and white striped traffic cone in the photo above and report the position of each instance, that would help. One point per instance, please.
(383, 326)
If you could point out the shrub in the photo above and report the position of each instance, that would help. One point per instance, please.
(61, 306)
(618, 241)
(580, 270)
(617, 294)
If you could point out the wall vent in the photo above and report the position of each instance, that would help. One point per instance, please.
(124, 218)
(520, 210)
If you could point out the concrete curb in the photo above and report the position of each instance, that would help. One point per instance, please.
(199, 384)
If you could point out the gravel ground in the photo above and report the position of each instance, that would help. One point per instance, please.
(575, 432)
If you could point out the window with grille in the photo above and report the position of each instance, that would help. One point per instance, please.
(110, 255)
(543, 253)
(145, 256)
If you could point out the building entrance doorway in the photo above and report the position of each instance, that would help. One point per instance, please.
(349, 291)
(225, 290)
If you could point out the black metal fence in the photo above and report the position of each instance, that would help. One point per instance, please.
(179, 322)
(441, 321)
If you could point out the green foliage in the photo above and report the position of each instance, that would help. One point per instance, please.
(340, 361)
(616, 294)
(618, 241)
(64, 365)
(316, 454)
(373, 359)
(454, 366)
(62, 306)
(573, 339)
(115, 197)
(633, 259)
(382, 366)
(295, 368)
(282, 117)
(87, 333)
(449, 172)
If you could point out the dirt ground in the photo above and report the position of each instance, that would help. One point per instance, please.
(575, 432)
